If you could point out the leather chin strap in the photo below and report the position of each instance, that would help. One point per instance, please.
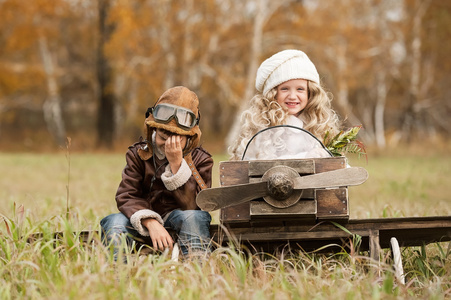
(194, 172)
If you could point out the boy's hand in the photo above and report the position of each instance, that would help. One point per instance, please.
(174, 152)
(161, 239)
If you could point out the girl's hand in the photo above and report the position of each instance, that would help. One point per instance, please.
(174, 152)
(161, 239)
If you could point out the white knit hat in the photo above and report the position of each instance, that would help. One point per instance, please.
(283, 66)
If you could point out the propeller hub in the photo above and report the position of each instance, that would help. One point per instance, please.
(280, 186)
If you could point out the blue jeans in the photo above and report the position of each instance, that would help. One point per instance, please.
(192, 228)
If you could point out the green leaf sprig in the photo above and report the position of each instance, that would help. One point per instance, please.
(344, 142)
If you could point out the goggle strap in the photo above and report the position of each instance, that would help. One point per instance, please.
(149, 111)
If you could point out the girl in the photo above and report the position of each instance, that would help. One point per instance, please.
(289, 92)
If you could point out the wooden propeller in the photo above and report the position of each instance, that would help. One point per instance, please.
(279, 184)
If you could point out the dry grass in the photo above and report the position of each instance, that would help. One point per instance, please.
(399, 185)
(403, 185)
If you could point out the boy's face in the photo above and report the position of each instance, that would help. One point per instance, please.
(163, 139)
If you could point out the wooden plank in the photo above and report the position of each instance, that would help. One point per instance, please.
(302, 210)
(254, 179)
(236, 213)
(330, 164)
(286, 236)
(332, 204)
(233, 172)
(409, 232)
(302, 166)
(308, 194)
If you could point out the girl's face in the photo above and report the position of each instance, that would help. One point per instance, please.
(162, 136)
(293, 95)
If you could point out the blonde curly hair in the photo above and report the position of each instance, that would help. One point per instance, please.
(264, 111)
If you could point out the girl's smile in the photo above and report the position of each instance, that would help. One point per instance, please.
(291, 104)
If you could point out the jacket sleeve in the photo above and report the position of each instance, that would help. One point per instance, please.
(174, 181)
(187, 193)
(131, 199)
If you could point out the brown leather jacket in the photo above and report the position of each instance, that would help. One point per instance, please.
(135, 193)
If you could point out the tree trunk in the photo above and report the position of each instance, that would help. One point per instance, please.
(190, 75)
(105, 113)
(414, 97)
(342, 85)
(164, 14)
(52, 105)
(381, 96)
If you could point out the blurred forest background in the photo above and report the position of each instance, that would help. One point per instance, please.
(89, 69)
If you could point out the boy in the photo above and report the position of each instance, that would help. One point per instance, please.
(162, 177)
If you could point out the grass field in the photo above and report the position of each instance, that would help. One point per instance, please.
(36, 189)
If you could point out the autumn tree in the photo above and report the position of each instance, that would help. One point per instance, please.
(41, 65)
(76, 68)
(105, 113)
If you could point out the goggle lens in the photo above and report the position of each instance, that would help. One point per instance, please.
(164, 113)
(185, 118)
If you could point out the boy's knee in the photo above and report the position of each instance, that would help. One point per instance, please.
(198, 216)
(197, 222)
(114, 221)
(189, 221)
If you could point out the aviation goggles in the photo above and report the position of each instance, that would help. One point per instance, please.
(164, 113)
